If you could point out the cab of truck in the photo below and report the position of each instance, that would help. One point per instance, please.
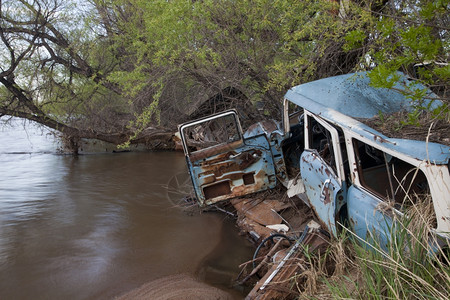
(348, 173)
(352, 174)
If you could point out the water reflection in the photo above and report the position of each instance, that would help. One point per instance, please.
(97, 226)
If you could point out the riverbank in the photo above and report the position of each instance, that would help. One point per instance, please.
(174, 287)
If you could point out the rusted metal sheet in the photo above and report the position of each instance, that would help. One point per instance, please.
(256, 231)
(222, 163)
(230, 162)
(278, 281)
(265, 214)
(262, 212)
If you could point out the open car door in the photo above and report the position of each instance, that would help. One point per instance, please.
(321, 168)
(222, 164)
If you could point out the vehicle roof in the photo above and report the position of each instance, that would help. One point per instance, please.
(345, 98)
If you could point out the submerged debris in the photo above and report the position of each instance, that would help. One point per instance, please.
(286, 238)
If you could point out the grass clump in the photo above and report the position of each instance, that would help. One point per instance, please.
(414, 264)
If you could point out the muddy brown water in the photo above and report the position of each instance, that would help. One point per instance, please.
(101, 226)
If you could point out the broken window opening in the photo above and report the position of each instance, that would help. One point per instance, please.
(344, 155)
(212, 133)
(320, 139)
(392, 179)
(249, 178)
(293, 146)
(217, 190)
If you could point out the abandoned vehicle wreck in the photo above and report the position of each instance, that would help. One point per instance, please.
(342, 171)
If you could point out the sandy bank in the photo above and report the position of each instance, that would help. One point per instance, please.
(181, 286)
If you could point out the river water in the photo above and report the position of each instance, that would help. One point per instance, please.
(97, 226)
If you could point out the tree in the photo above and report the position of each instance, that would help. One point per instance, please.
(112, 69)
(260, 48)
(53, 72)
(264, 47)
(411, 36)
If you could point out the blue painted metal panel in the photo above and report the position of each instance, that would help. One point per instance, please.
(352, 95)
(322, 187)
(275, 135)
(366, 218)
(343, 98)
(421, 150)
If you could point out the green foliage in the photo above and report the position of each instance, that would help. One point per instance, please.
(259, 47)
(354, 39)
(137, 50)
(143, 119)
(412, 37)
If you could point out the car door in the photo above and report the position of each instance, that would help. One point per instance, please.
(321, 168)
(221, 162)
(367, 219)
(381, 183)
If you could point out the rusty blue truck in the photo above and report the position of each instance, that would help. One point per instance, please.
(323, 153)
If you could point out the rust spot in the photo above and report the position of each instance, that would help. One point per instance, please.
(208, 152)
(269, 125)
(252, 127)
(208, 179)
(326, 193)
(248, 178)
(320, 169)
(232, 176)
(321, 222)
(216, 190)
(379, 138)
(219, 158)
(222, 164)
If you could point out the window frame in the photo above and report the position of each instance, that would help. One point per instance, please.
(358, 180)
(337, 151)
(189, 153)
